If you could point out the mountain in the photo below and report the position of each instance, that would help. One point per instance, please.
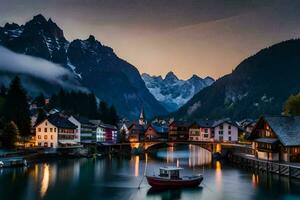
(259, 85)
(89, 63)
(173, 92)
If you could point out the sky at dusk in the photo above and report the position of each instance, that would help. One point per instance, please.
(209, 37)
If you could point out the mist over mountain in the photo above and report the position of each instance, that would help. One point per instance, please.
(84, 64)
(173, 92)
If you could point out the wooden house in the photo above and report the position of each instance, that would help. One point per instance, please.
(156, 131)
(277, 138)
(201, 130)
(179, 131)
(136, 132)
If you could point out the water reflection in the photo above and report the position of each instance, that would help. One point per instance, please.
(136, 166)
(179, 156)
(218, 168)
(173, 194)
(117, 178)
(255, 180)
(45, 180)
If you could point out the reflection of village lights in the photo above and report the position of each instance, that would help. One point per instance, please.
(177, 163)
(198, 156)
(218, 175)
(45, 180)
(255, 180)
(170, 154)
(136, 166)
(135, 145)
(218, 148)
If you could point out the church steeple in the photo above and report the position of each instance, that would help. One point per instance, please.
(142, 120)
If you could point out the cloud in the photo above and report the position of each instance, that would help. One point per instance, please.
(37, 67)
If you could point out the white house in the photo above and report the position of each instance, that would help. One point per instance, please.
(86, 130)
(201, 131)
(225, 131)
(105, 132)
(56, 131)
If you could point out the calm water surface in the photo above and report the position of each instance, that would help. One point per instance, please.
(118, 178)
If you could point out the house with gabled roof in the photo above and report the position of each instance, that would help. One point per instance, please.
(136, 132)
(56, 131)
(156, 131)
(277, 138)
(179, 130)
(85, 129)
(225, 130)
(201, 130)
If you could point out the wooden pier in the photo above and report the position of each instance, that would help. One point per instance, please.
(252, 163)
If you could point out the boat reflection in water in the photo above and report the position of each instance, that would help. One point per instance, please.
(174, 194)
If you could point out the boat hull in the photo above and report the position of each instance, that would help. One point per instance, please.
(157, 182)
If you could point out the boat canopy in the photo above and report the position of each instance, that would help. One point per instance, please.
(171, 168)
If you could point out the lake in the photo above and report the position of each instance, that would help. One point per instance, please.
(118, 178)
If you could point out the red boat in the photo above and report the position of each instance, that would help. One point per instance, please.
(169, 178)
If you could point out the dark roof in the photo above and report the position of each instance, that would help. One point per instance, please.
(61, 122)
(82, 120)
(287, 129)
(218, 122)
(205, 123)
(108, 126)
(136, 127)
(181, 123)
(267, 140)
(159, 128)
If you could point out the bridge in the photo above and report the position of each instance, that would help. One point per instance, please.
(214, 147)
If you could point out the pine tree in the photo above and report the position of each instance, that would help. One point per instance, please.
(40, 100)
(10, 135)
(16, 107)
(292, 105)
(113, 117)
(123, 136)
(93, 110)
(41, 116)
(3, 91)
(104, 112)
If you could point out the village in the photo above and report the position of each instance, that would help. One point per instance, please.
(270, 138)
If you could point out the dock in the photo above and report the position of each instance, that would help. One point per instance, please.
(247, 161)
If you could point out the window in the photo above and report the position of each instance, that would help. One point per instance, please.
(45, 130)
(221, 126)
(45, 144)
(229, 127)
(51, 129)
(54, 129)
(39, 129)
(51, 137)
(229, 132)
(205, 130)
(220, 132)
(39, 137)
(39, 144)
(45, 137)
(51, 144)
(229, 138)
(46, 123)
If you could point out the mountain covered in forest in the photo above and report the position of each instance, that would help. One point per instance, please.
(258, 85)
(46, 61)
(173, 92)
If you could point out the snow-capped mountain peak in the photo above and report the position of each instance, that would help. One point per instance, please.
(173, 92)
